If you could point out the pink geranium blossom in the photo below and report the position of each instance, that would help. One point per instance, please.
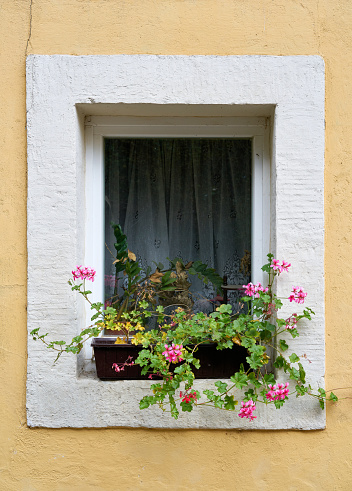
(276, 265)
(253, 290)
(247, 409)
(270, 310)
(291, 322)
(280, 267)
(84, 273)
(173, 353)
(285, 265)
(297, 295)
(188, 397)
(277, 392)
(119, 367)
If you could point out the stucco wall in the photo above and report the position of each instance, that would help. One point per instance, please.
(119, 459)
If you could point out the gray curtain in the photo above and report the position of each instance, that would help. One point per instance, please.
(188, 198)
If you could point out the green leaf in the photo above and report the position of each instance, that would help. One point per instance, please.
(247, 342)
(270, 327)
(240, 380)
(252, 379)
(294, 358)
(143, 404)
(209, 394)
(266, 268)
(302, 373)
(257, 349)
(281, 322)
(186, 406)
(250, 394)
(301, 390)
(280, 362)
(322, 404)
(230, 403)
(254, 361)
(322, 392)
(238, 325)
(294, 374)
(225, 308)
(265, 335)
(283, 345)
(269, 378)
(279, 403)
(333, 397)
(294, 333)
(222, 386)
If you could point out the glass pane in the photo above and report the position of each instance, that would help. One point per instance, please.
(188, 198)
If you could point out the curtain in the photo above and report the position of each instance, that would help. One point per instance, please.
(181, 197)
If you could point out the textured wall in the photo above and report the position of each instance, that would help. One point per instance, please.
(119, 459)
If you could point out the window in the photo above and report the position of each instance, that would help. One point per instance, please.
(186, 198)
(64, 180)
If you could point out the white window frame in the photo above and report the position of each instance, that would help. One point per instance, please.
(61, 92)
(97, 128)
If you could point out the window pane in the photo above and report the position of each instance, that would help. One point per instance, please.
(181, 197)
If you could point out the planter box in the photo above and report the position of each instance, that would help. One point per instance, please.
(215, 364)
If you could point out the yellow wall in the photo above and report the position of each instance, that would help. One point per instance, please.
(123, 459)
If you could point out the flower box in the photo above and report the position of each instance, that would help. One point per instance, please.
(215, 364)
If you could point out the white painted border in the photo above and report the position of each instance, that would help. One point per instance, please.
(60, 91)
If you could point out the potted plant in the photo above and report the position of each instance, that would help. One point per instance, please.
(167, 287)
(146, 296)
(171, 352)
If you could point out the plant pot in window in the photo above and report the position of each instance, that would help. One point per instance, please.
(214, 364)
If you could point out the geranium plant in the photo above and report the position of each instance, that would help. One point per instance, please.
(169, 353)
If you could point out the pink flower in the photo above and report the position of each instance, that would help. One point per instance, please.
(276, 265)
(280, 267)
(291, 322)
(173, 353)
(84, 273)
(277, 392)
(249, 289)
(285, 266)
(189, 397)
(297, 295)
(253, 290)
(270, 310)
(119, 367)
(247, 409)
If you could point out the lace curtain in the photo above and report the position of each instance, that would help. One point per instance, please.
(187, 198)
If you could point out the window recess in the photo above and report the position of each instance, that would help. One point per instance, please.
(195, 188)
